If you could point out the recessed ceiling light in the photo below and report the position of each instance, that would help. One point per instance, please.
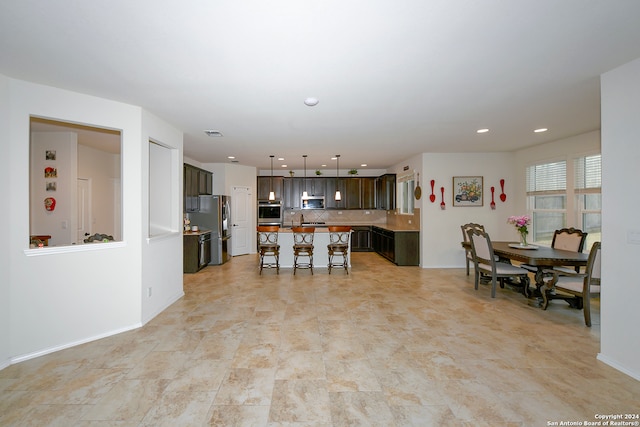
(213, 133)
(311, 102)
(541, 130)
(283, 166)
(364, 165)
(324, 166)
(281, 158)
(482, 130)
(231, 157)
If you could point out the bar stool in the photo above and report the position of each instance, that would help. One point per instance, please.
(268, 246)
(339, 238)
(302, 246)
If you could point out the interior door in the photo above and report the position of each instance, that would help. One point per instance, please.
(240, 220)
(84, 210)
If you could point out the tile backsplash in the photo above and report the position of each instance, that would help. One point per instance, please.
(353, 217)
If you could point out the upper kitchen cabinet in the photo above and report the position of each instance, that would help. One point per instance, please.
(353, 196)
(292, 193)
(205, 182)
(334, 184)
(315, 186)
(368, 193)
(386, 192)
(265, 185)
(191, 189)
(196, 182)
(360, 193)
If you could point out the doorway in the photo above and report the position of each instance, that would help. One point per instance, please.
(84, 210)
(240, 220)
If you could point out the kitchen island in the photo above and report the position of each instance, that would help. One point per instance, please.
(320, 251)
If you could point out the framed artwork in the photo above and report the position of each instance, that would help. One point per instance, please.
(50, 155)
(52, 186)
(467, 191)
(50, 172)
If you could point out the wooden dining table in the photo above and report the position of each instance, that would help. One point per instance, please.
(542, 257)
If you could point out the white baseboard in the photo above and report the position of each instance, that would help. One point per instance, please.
(615, 365)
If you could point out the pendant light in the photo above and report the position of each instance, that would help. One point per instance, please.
(272, 195)
(338, 195)
(305, 195)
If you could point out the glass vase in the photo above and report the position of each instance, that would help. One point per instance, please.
(523, 238)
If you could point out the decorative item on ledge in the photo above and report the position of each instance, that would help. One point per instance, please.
(318, 172)
(353, 172)
(291, 173)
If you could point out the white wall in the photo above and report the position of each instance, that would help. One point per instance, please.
(103, 170)
(161, 254)
(61, 222)
(5, 224)
(225, 177)
(441, 234)
(58, 297)
(620, 342)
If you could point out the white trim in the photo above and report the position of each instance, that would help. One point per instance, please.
(72, 344)
(48, 250)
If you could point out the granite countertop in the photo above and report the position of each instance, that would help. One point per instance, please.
(196, 233)
(323, 228)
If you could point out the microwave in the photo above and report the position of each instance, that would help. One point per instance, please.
(312, 202)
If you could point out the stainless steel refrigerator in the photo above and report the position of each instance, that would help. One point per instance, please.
(215, 215)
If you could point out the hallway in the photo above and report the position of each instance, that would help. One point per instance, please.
(384, 345)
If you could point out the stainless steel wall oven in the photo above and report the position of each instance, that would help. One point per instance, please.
(270, 212)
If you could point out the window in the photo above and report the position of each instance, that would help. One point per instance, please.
(546, 190)
(75, 186)
(565, 194)
(588, 194)
(406, 186)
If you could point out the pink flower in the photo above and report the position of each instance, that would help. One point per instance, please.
(520, 222)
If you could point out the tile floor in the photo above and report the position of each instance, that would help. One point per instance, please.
(382, 346)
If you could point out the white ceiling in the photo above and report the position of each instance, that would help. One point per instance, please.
(394, 78)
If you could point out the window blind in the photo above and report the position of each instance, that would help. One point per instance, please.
(588, 174)
(547, 178)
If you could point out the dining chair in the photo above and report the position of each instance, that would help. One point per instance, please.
(268, 246)
(339, 238)
(576, 288)
(468, 254)
(566, 239)
(303, 247)
(485, 262)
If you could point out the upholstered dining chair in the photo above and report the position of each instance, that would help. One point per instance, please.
(575, 288)
(268, 246)
(485, 262)
(566, 239)
(468, 254)
(303, 247)
(339, 238)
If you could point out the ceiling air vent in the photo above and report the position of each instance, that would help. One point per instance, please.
(213, 133)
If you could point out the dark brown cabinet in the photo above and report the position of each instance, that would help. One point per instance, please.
(334, 184)
(353, 193)
(292, 193)
(368, 193)
(386, 192)
(196, 182)
(314, 186)
(361, 238)
(399, 247)
(196, 251)
(265, 185)
(356, 192)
